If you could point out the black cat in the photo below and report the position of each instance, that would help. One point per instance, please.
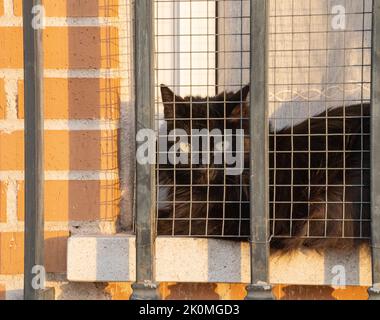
(319, 177)
(326, 194)
(213, 209)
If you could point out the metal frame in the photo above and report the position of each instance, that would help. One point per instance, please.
(374, 291)
(34, 142)
(145, 287)
(259, 288)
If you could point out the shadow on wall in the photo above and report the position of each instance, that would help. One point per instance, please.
(12, 259)
(94, 96)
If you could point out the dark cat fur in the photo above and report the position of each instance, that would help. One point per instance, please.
(201, 178)
(308, 206)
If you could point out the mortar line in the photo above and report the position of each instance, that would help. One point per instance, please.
(8, 9)
(64, 73)
(11, 90)
(63, 22)
(12, 125)
(11, 202)
(64, 175)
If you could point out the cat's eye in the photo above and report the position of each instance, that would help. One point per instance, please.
(185, 147)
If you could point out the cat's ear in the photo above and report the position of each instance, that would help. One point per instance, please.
(241, 95)
(169, 100)
(237, 107)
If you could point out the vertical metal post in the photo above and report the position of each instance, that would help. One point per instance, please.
(374, 291)
(259, 289)
(145, 287)
(34, 172)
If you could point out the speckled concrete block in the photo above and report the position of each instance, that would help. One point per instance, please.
(101, 258)
(112, 258)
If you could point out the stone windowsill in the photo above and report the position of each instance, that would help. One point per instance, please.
(112, 258)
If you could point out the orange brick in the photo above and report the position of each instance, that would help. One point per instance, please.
(77, 200)
(64, 150)
(2, 291)
(277, 291)
(56, 251)
(231, 291)
(351, 293)
(11, 39)
(3, 100)
(81, 47)
(3, 202)
(77, 98)
(295, 292)
(119, 291)
(75, 8)
(12, 252)
(81, 150)
(11, 150)
(192, 291)
(73, 47)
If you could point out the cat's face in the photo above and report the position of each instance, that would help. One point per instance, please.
(224, 113)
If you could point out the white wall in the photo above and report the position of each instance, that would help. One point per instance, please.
(313, 65)
(185, 45)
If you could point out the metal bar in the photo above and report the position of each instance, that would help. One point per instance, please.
(145, 287)
(34, 170)
(217, 47)
(259, 288)
(374, 291)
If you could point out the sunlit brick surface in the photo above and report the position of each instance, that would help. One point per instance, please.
(87, 77)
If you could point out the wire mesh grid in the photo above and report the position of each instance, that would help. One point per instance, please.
(109, 90)
(319, 80)
(113, 95)
(320, 60)
(202, 58)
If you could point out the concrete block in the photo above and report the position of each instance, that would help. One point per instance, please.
(112, 258)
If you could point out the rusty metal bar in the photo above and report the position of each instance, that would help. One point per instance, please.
(34, 169)
(259, 288)
(145, 287)
(374, 291)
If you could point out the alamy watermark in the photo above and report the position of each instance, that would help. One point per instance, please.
(339, 280)
(338, 22)
(38, 281)
(38, 21)
(201, 147)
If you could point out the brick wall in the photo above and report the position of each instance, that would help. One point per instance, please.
(87, 71)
